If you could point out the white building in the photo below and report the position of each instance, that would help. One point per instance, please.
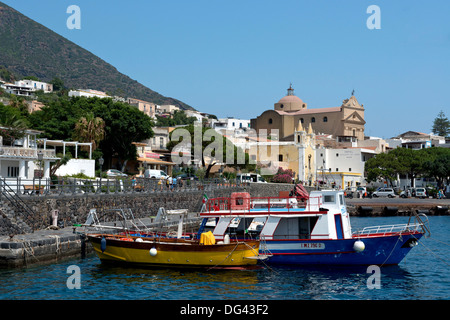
(343, 168)
(27, 87)
(88, 93)
(20, 162)
(20, 166)
(229, 124)
(416, 140)
(196, 114)
(167, 108)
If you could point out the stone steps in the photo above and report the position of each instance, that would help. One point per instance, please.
(11, 221)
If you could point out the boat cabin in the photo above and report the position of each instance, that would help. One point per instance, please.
(322, 216)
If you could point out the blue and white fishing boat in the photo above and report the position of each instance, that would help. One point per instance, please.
(310, 229)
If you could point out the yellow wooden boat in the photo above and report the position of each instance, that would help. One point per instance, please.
(175, 252)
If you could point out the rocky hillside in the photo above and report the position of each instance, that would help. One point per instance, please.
(27, 48)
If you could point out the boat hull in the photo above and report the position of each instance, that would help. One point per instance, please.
(379, 250)
(175, 253)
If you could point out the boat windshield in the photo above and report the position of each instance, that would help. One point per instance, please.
(329, 198)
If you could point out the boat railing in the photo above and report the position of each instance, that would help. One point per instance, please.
(266, 204)
(388, 229)
(417, 223)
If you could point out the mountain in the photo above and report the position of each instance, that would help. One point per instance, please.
(27, 48)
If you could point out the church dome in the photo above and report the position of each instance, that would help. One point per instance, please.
(290, 102)
(291, 99)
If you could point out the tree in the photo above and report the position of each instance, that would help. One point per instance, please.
(410, 162)
(123, 124)
(214, 147)
(20, 104)
(63, 160)
(57, 118)
(14, 125)
(441, 125)
(34, 78)
(383, 166)
(90, 129)
(58, 84)
(179, 117)
(437, 164)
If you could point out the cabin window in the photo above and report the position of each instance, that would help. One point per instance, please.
(341, 200)
(329, 198)
(245, 227)
(295, 228)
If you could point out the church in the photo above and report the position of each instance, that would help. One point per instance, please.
(345, 123)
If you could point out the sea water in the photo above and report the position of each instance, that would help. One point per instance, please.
(423, 274)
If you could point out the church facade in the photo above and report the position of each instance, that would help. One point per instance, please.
(345, 122)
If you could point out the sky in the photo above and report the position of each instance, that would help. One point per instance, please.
(237, 58)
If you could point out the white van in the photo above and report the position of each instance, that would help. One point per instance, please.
(250, 177)
(384, 192)
(155, 174)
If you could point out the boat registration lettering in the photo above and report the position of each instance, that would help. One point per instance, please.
(313, 245)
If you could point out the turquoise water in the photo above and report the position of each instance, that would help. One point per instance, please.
(422, 275)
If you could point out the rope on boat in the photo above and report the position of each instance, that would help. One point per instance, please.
(260, 260)
(27, 248)
(225, 257)
(57, 244)
(399, 239)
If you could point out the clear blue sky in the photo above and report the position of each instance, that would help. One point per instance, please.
(237, 58)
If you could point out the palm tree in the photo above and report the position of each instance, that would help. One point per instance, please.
(19, 104)
(12, 127)
(90, 129)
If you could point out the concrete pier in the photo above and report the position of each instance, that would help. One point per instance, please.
(50, 245)
(42, 246)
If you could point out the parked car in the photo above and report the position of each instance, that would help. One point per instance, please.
(421, 193)
(250, 177)
(185, 176)
(363, 190)
(115, 173)
(406, 193)
(414, 192)
(384, 192)
(155, 174)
